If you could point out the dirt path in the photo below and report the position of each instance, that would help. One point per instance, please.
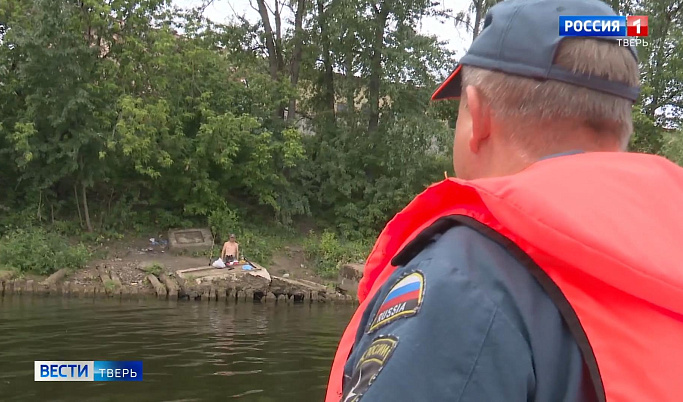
(291, 260)
(126, 256)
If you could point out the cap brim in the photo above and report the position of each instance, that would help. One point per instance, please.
(450, 89)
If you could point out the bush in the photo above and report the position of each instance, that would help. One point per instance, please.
(164, 220)
(154, 269)
(256, 243)
(225, 221)
(67, 228)
(256, 247)
(673, 147)
(35, 250)
(327, 253)
(222, 222)
(12, 219)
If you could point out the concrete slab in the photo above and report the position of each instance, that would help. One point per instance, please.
(354, 272)
(209, 273)
(190, 239)
(294, 286)
(349, 277)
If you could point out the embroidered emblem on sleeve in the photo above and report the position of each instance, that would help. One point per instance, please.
(369, 366)
(403, 300)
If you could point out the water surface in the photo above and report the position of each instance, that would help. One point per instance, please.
(191, 351)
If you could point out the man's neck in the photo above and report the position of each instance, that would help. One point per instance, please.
(515, 164)
(565, 153)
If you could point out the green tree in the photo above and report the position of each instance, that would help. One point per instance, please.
(661, 104)
(473, 17)
(118, 114)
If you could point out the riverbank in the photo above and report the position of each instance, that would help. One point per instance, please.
(136, 268)
(279, 290)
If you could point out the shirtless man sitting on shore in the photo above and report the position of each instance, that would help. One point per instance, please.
(230, 250)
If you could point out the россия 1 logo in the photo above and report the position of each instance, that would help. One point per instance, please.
(88, 370)
(636, 25)
(633, 28)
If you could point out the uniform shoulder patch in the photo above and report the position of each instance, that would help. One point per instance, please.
(369, 366)
(403, 300)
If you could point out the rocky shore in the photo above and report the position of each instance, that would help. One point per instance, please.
(203, 283)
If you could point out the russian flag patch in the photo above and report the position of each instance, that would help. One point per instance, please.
(403, 300)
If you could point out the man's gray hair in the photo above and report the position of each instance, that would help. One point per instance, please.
(527, 103)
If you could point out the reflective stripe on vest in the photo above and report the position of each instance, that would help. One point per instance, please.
(606, 228)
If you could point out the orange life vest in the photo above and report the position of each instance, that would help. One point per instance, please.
(606, 229)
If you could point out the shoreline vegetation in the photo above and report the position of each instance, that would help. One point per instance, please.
(302, 269)
(121, 120)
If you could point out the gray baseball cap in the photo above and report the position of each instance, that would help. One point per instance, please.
(521, 37)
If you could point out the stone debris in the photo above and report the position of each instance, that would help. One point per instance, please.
(349, 277)
(201, 283)
(190, 239)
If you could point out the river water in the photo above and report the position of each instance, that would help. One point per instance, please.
(191, 351)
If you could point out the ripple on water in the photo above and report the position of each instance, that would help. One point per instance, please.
(190, 351)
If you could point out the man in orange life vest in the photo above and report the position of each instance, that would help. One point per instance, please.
(550, 270)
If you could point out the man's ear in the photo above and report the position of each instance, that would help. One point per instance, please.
(481, 118)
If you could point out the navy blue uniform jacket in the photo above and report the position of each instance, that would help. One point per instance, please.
(482, 330)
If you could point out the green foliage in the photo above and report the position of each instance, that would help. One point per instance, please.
(165, 219)
(647, 137)
(99, 238)
(142, 117)
(328, 253)
(223, 222)
(139, 130)
(364, 181)
(257, 247)
(256, 243)
(661, 60)
(673, 146)
(18, 218)
(35, 250)
(154, 269)
(107, 102)
(109, 285)
(66, 228)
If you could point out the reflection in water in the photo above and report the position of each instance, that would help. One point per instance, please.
(191, 351)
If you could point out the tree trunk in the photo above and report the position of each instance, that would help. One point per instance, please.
(40, 207)
(78, 207)
(374, 84)
(478, 15)
(86, 212)
(295, 65)
(350, 86)
(278, 37)
(280, 112)
(270, 41)
(328, 73)
(273, 45)
(480, 8)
